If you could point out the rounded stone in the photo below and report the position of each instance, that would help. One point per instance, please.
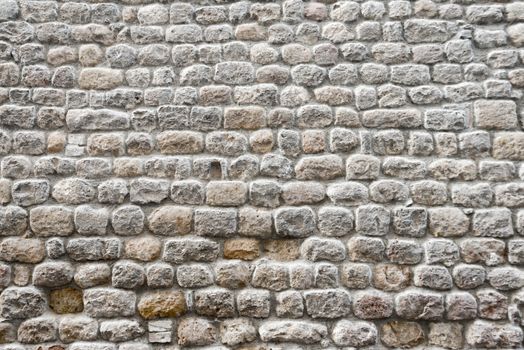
(162, 304)
(66, 300)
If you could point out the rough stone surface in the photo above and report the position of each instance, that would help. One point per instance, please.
(256, 175)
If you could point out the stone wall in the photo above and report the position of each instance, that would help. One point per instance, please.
(261, 175)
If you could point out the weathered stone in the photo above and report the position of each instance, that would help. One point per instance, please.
(127, 275)
(194, 276)
(21, 303)
(441, 251)
(306, 192)
(100, 78)
(492, 305)
(109, 302)
(24, 250)
(120, 330)
(162, 304)
(232, 275)
(215, 222)
(73, 191)
(37, 330)
(271, 276)
(160, 275)
(51, 220)
(354, 333)
(13, 221)
(254, 303)
(492, 223)
(196, 332)
(484, 334)
(237, 331)
(434, 277)
(91, 249)
(365, 249)
(372, 305)
(419, 305)
(402, 334)
(55, 248)
(226, 193)
(447, 222)
(327, 303)
(77, 328)
(317, 249)
(145, 190)
(390, 277)
(506, 278)
(241, 248)
(292, 331)
(214, 303)
(170, 220)
(448, 335)
(348, 193)
(90, 220)
(91, 275)
(295, 222)
(404, 252)
(53, 274)
(319, 168)
(66, 301)
(425, 30)
(190, 249)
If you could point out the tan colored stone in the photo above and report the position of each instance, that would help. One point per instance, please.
(180, 142)
(162, 304)
(143, 248)
(509, 145)
(7, 333)
(100, 78)
(400, 334)
(390, 277)
(242, 248)
(25, 250)
(56, 142)
(261, 141)
(66, 300)
(21, 275)
(105, 145)
(170, 220)
(282, 250)
(313, 141)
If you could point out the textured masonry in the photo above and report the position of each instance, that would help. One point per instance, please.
(263, 175)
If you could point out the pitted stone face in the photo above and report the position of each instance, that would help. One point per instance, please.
(261, 174)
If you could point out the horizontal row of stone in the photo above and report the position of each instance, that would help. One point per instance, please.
(291, 12)
(243, 73)
(187, 117)
(194, 331)
(308, 116)
(382, 95)
(235, 193)
(411, 30)
(358, 167)
(411, 304)
(290, 143)
(325, 54)
(248, 167)
(331, 304)
(265, 92)
(263, 193)
(290, 53)
(289, 146)
(233, 274)
(486, 251)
